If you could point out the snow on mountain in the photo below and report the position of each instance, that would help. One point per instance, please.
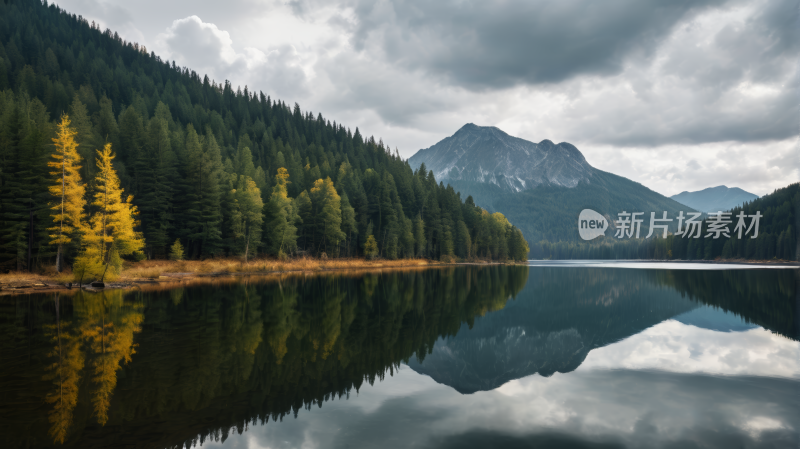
(486, 154)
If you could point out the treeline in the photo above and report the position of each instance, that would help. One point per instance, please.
(777, 238)
(223, 171)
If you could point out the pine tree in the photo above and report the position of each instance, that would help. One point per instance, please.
(419, 236)
(327, 206)
(131, 140)
(81, 123)
(68, 210)
(111, 233)
(348, 222)
(176, 250)
(280, 230)
(189, 216)
(210, 209)
(306, 218)
(463, 241)
(371, 247)
(156, 175)
(246, 217)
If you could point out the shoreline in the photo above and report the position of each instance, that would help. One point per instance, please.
(160, 274)
(166, 274)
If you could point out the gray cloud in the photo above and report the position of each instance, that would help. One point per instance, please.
(632, 74)
(623, 75)
(490, 45)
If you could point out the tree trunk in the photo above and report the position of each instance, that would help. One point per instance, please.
(30, 237)
(58, 259)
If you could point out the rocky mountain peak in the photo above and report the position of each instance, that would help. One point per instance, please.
(486, 154)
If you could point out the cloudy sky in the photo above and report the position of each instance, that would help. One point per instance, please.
(679, 95)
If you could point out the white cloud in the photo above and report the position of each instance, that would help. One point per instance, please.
(205, 48)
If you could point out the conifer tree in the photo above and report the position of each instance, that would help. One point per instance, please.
(419, 236)
(463, 241)
(131, 140)
(348, 222)
(371, 247)
(176, 250)
(189, 216)
(210, 209)
(111, 232)
(281, 230)
(327, 206)
(84, 136)
(68, 210)
(156, 175)
(306, 220)
(246, 218)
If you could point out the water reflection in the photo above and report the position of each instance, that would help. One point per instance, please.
(205, 363)
(563, 314)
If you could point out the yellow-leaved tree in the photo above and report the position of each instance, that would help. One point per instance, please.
(68, 210)
(111, 231)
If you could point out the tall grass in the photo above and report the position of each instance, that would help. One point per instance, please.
(151, 269)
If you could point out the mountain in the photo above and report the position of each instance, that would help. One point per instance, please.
(540, 187)
(486, 154)
(713, 199)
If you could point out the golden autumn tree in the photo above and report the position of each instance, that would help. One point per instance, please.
(68, 211)
(111, 231)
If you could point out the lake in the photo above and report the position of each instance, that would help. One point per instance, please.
(551, 355)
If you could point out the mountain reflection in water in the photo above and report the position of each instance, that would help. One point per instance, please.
(561, 315)
(205, 363)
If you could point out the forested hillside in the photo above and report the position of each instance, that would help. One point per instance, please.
(549, 212)
(221, 170)
(777, 238)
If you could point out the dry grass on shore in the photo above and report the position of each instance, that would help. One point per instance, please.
(151, 269)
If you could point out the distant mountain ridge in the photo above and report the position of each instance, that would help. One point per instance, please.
(486, 154)
(714, 199)
(540, 187)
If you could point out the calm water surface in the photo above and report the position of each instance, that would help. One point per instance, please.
(543, 356)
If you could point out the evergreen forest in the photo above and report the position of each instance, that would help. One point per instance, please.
(109, 152)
